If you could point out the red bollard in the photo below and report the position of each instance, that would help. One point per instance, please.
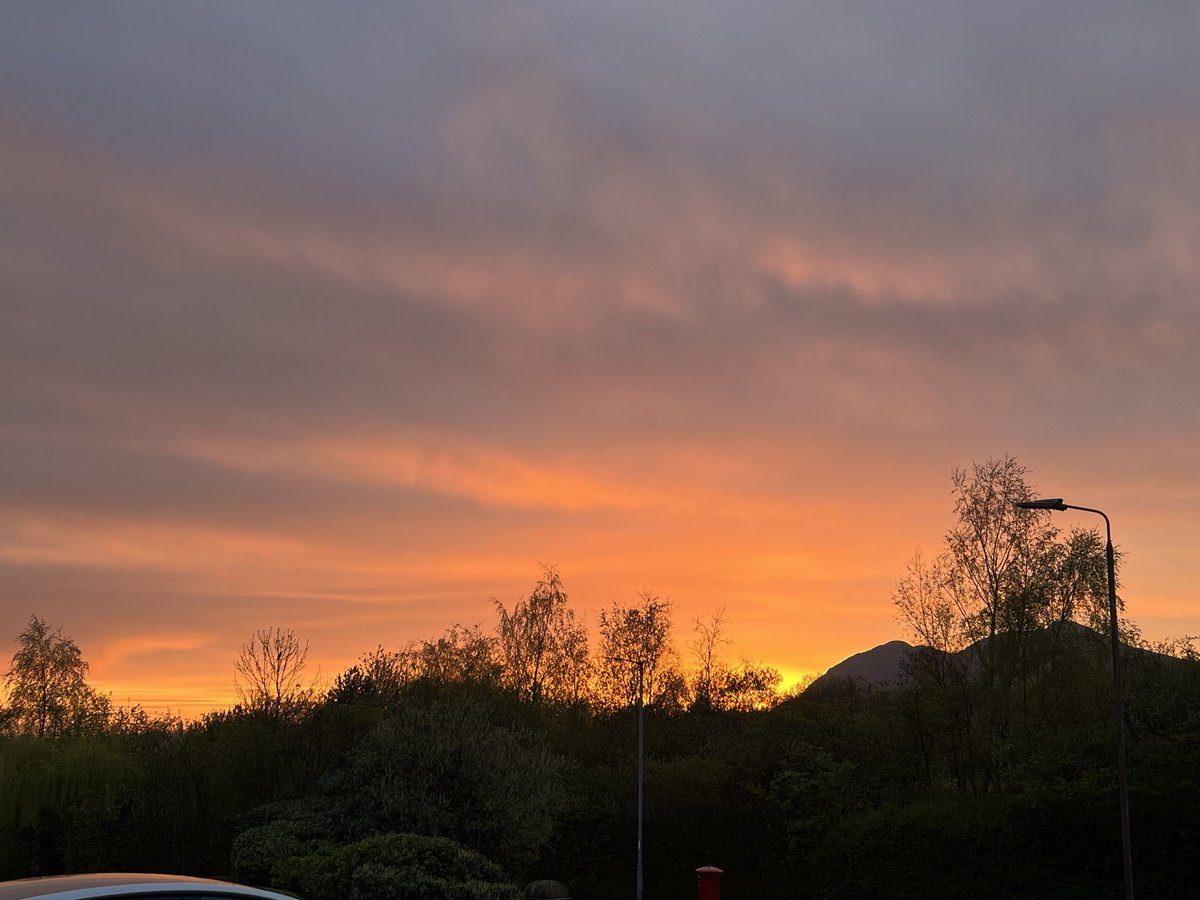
(708, 880)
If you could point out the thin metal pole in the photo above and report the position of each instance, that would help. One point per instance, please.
(641, 669)
(641, 732)
(1119, 711)
(1118, 703)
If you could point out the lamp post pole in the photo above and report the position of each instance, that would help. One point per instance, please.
(641, 757)
(1118, 694)
(641, 669)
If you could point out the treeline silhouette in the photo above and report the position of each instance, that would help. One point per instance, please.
(467, 765)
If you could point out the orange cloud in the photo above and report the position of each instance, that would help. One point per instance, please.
(117, 651)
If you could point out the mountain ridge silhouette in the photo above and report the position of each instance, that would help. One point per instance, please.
(888, 665)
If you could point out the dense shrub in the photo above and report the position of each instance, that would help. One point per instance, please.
(385, 866)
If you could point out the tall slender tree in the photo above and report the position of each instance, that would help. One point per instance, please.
(1003, 570)
(706, 647)
(543, 650)
(47, 687)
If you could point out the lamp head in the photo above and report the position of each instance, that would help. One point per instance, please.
(1052, 503)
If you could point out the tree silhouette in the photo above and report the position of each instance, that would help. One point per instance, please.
(543, 650)
(705, 647)
(47, 688)
(640, 633)
(269, 670)
(997, 615)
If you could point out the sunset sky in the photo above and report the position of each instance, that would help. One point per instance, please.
(345, 317)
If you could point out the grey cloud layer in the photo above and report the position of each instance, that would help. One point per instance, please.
(554, 229)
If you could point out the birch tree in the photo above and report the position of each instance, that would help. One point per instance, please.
(47, 687)
(543, 649)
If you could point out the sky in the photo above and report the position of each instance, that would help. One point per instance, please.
(346, 318)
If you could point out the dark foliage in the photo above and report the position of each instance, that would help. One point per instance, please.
(429, 772)
(849, 792)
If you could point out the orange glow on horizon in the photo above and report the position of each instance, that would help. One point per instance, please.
(802, 589)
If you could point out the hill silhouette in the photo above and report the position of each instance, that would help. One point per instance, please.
(890, 665)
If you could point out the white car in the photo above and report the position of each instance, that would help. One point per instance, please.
(115, 886)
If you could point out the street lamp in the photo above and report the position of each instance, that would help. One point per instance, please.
(1056, 503)
(641, 668)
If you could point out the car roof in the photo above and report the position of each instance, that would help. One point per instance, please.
(122, 884)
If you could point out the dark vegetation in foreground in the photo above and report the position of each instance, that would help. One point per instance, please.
(467, 766)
